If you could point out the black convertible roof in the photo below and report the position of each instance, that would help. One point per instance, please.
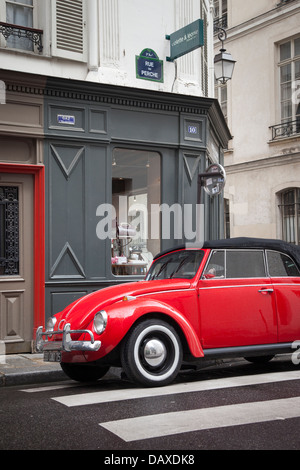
(244, 242)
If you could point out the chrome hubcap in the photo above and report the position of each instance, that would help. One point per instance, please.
(155, 352)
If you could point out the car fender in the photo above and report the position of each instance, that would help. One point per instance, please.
(132, 311)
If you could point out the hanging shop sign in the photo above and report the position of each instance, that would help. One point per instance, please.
(215, 179)
(186, 40)
(148, 66)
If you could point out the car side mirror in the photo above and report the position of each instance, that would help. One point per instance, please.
(209, 276)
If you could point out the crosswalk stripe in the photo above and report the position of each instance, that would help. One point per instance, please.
(49, 388)
(147, 427)
(135, 393)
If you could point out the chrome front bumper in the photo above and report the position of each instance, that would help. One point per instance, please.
(67, 344)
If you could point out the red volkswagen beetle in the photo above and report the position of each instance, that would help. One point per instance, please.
(231, 298)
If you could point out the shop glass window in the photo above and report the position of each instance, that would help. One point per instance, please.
(9, 231)
(135, 191)
(20, 13)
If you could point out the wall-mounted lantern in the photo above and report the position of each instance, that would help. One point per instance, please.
(224, 63)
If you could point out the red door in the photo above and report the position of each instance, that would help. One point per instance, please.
(285, 277)
(236, 300)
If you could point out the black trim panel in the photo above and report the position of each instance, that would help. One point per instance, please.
(248, 351)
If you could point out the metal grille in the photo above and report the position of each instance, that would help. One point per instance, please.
(9, 231)
(286, 129)
(34, 35)
(290, 216)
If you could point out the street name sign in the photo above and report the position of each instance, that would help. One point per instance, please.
(186, 40)
(148, 66)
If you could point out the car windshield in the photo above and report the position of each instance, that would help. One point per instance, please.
(180, 265)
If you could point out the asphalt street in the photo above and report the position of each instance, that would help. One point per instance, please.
(232, 406)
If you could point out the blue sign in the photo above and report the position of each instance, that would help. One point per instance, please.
(148, 66)
(192, 129)
(66, 119)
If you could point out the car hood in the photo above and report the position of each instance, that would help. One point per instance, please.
(81, 312)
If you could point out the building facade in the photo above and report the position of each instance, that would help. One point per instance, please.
(261, 104)
(102, 140)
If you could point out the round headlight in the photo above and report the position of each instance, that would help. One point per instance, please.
(50, 324)
(100, 322)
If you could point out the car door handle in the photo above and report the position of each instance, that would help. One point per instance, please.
(266, 291)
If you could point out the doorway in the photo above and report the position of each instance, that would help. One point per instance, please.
(16, 262)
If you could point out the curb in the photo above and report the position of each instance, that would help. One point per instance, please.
(26, 378)
(33, 372)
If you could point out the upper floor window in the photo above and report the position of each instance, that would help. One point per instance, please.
(289, 81)
(18, 20)
(56, 28)
(290, 215)
(282, 2)
(221, 95)
(220, 14)
(19, 13)
(289, 66)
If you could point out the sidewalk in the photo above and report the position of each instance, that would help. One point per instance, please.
(25, 369)
(19, 369)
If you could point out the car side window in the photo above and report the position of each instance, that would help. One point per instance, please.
(245, 264)
(216, 266)
(281, 265)
(235, 264)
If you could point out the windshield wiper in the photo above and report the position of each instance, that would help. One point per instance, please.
(178, 267)
(161, 270)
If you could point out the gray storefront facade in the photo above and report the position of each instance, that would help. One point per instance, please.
(130, 150)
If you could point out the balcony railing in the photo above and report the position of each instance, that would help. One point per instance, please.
(220, 23)
(286, 129)
(34, 35)
(283, 2)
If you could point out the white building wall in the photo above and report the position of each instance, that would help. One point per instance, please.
(114, 32)
(126, 28)
(257, 167)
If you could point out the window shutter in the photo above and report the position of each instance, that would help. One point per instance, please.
(69, 34)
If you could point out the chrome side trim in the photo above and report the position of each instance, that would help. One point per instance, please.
(234, 286)
(248, 351)
(67, 344)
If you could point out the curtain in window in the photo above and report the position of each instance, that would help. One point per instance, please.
(289, 68)
(21, 16)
